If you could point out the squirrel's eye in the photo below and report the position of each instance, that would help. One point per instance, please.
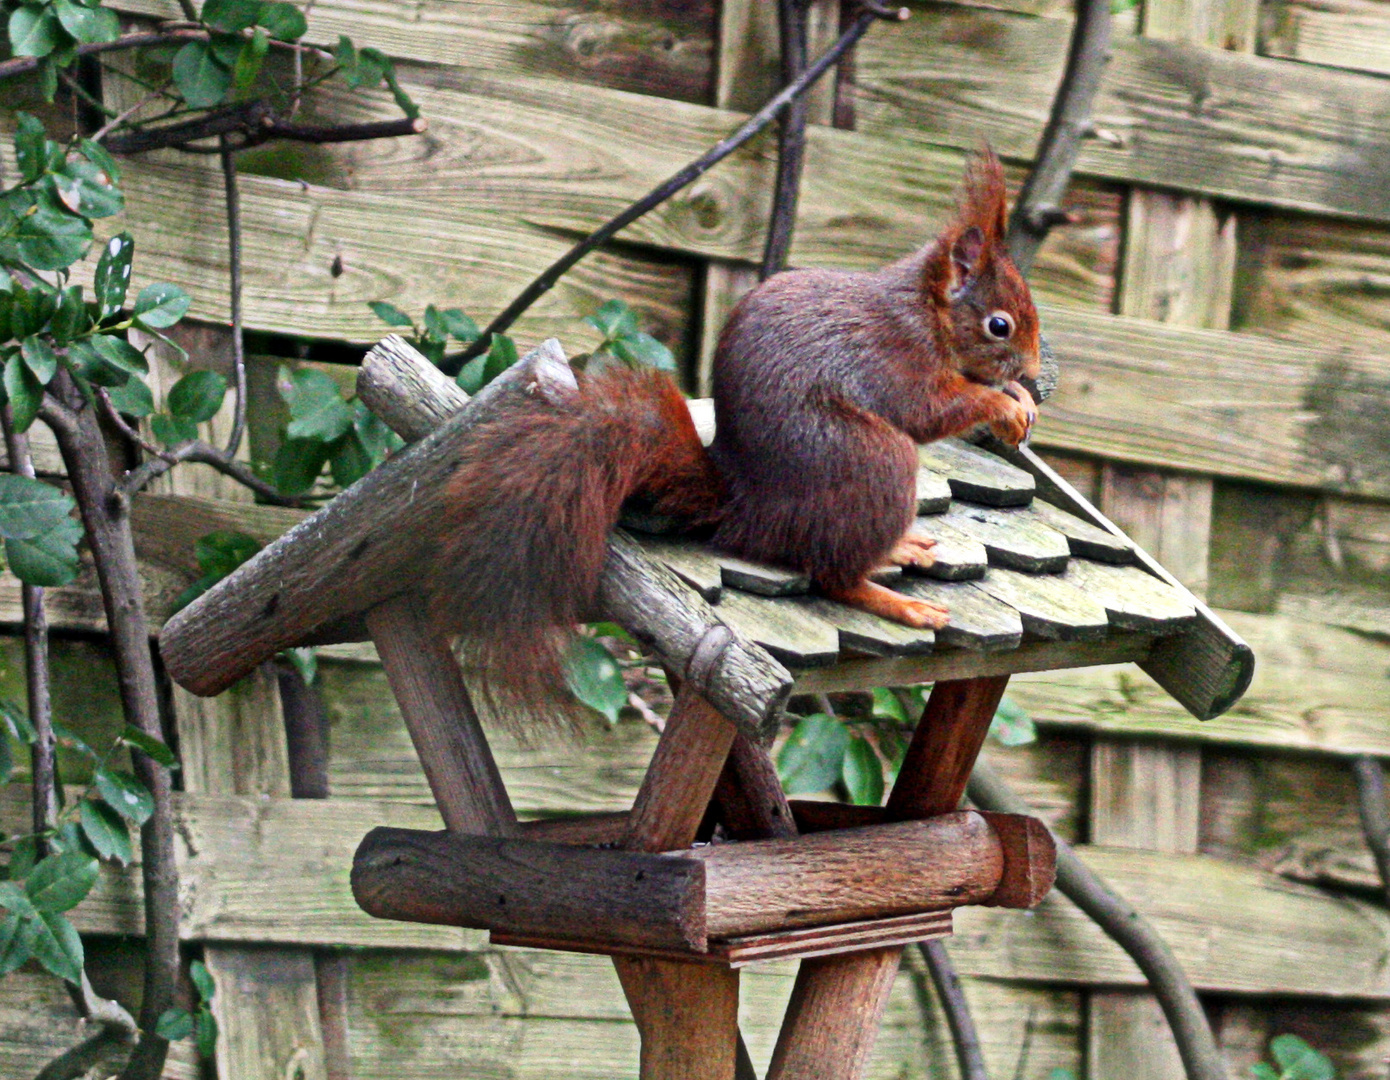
(999, 325)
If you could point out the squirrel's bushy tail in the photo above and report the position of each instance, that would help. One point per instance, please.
(528, 516)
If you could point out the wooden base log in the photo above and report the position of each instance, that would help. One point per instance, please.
(523, 887)
(687, 1014)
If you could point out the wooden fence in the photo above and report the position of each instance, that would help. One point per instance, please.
(1220, 312)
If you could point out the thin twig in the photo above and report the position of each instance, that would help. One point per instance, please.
(198, 452)
(233, 198)
(791, 140)
(256, 123)
(949, 993)
(1039, 203)
(659, 194)
(1375, 817)
(113, 415)
(1201, 1057)
(36, 669)
(121, 118)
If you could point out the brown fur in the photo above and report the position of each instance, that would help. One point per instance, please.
(824, 381)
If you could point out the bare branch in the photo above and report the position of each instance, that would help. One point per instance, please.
(1375, 817)
(120, 118)
(1201, 1058)
(43, 778)
(663, 191)
(233, 198)
(952, 998)
(1039, 203)
(791, 140)
(118, 421)
(168, 35)
(200, 453)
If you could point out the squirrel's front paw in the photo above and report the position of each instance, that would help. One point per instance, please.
(1016, 414)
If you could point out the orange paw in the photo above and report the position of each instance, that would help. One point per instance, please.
(875, 599)
(1016, 413)
(913, 550)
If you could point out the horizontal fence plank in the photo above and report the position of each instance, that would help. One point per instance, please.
(1338, 33)
(664, 49)
(276, 871)
(1245, 128)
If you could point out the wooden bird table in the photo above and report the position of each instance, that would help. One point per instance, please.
(1032, 582)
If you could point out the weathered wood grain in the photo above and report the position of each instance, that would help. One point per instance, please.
(688, 1017)
(691, 562)
(847, 875)
(1175, 115)
(666, 51)
(761, 579)
(790, 632)
(933, 492)
(1132, 599)
(1337, 33)
(958, 555)
(977, 621)
(1011, 539)
(975, 475)
(1084, 540)
(1048, 605)
(861, 631)
(530, 887)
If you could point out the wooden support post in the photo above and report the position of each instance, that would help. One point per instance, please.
(1179, 268)
(835, 1008)
(443, 725)
(687, 1013)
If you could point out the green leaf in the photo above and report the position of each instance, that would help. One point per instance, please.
(106, 830)
(16, 723)
(49, 560)
(249, 60)
(346, 53)
(24, 392)
(202, 981)
(132, 399)
(91, 366)
(1299, 1061)
(367, 69)
(202, 79)
(205, 1033)
(161, 305)
(174, 1024)
(30, 508)
(197, 396)
(298, 463)
(501, 355)
(350, 461)
(70, 318)
(16, 942)
(23, 855)
(30, 146)
(88, 25)
(1264, 1071)
(231, 15)
(172, 430)
(594, 677)
(317, 409)
(402, 99)
(40, 359)
(613, 320)
(389, 313)
(376, 438)
(644, 349)
(101, 158)
(57, 947)
(125, 794)
(220, 552)
(34, 31)
(434, 324)
(89, 189)
(72, 742)
(814, 754)
(862, 773)
(6, 761)
(148, 744)
(888, 706)
(471, 375)
(460, 326)
(50, 238)
(119, 354)
(283, 21)
(1012, 726)
(113, 273)
(13, 898)
(61, 882)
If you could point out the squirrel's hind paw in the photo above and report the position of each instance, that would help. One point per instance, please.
(875, 599)
(914, 550)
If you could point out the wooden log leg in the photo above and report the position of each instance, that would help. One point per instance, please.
(835, 1008)
(687, 1013)
(443, 725)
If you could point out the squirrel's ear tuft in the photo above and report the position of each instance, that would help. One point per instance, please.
(966, 250)
(984, 203)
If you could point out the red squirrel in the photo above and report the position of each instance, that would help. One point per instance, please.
(823, 382)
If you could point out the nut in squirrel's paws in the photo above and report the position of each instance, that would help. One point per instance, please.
(914, 550)
(1013, 423)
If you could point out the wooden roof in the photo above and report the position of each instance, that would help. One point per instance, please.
(1034, 577)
